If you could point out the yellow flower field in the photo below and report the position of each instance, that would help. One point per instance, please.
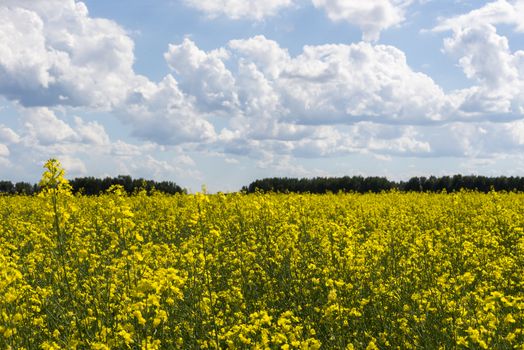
(260, 271)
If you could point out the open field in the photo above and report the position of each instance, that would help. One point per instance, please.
(262, 271)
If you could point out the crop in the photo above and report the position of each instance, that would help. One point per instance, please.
(260, 271)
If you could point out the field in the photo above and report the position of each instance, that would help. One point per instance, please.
(261, 271)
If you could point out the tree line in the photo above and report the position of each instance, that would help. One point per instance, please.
(94, 186)
(358, 184)
(375, 184)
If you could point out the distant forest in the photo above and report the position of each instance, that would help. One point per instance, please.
(358, 184)
(361, 184)
(95, 186)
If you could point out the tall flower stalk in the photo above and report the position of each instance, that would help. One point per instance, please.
(57, 189)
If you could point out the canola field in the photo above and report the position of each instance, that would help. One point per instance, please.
(260, 271)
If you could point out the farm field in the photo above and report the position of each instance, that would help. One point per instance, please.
(261, 271)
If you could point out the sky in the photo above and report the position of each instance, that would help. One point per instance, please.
(222, 92)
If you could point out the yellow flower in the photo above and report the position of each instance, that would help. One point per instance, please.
(372, 346)
(127, 337)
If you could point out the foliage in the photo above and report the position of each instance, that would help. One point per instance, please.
(361, 184)
(96, 186)
(258, 271)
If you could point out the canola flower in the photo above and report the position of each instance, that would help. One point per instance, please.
(260, 271)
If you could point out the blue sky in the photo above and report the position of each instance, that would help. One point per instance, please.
(224, 92)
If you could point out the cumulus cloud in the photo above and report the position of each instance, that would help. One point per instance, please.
(85, 148)
(205, 75)
(486, 58)
(165, 114)
(361, 81)
(331, 100)
(371, 17)
(8, 135)
(73, 165)
(251, 96)
(483, 55)
(485, 139)
(388, 140)
(245, 9)
(270, 95)
(494, 13)
(53, 53)
(91, 133)
(45, 127)
(4, 150)
(162, 169)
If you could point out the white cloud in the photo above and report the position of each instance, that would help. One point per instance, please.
(8, 135)
(91, 133)
(251, 96)
(364, 138)
(407, 142)
(85, 148)
(147, 165)
(74, 166)
(347, 83)
(45, 128)
(371, 16)
(254, 84)
(166, 115)
(266, 54)
(486, 58)
(231, 161)
(4, 150)
(332, 100)
(483, 55)
(203, 75)
(271, 95)
(123, 149)
(244, 9)
(161, 169)
(494, 13)
(53, 53)
(47, 132)
(480, 139)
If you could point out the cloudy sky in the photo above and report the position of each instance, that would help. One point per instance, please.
(222, 92)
